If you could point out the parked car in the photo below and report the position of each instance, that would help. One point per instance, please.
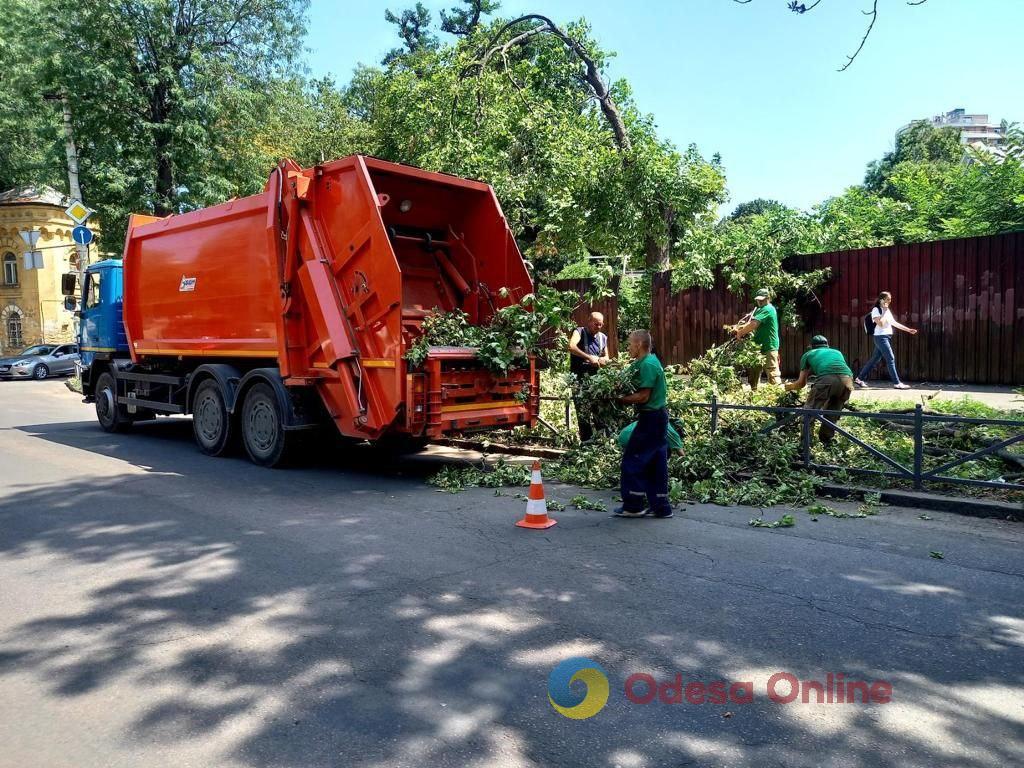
(40, 361)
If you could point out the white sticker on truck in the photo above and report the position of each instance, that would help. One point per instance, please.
(187, 284)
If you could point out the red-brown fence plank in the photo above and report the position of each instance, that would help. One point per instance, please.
(965, 296)
(1017, 308)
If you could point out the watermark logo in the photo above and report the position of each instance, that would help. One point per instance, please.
(578, 688)
(581, 701)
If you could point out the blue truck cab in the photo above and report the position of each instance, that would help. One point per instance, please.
(101, 334)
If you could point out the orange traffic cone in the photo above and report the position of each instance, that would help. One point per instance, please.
(536, 507)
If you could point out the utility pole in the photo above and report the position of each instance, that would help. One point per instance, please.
(74, 187)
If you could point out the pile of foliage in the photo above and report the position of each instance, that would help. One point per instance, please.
(741, 464)
(597, 396)
(720, 370)
(532, 326)
(453, 479)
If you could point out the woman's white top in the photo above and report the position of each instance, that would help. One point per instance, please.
(883, 328)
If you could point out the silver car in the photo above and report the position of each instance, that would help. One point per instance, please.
(41, 361)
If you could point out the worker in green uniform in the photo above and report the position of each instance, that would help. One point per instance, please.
(763, 323)
(833, 383)
(645, 457)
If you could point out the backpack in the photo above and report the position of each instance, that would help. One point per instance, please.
(869, 324)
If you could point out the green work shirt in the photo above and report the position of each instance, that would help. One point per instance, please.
(675, 442)
(649, 374)
(767, 332)
(825, 360)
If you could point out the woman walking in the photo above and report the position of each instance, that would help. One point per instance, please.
(884, 322)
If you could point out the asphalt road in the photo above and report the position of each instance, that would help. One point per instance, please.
(162, 608)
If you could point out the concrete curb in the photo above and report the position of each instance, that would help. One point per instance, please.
(960, 505)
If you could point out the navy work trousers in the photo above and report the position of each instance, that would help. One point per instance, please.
(645, 464)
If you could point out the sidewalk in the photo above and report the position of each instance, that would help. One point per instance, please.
(996, 397)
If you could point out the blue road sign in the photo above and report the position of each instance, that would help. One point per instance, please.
(81, 235)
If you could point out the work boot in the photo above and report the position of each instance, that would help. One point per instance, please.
(623, 512)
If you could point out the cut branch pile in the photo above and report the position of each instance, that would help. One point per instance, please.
(741, 464)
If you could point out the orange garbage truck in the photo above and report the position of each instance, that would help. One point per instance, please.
(292, 309)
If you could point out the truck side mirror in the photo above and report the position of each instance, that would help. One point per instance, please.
(70, 302)
(69, 284)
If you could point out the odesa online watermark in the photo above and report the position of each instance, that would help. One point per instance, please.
(578, 688)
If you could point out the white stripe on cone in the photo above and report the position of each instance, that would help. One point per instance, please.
(536, 507)
(535, 479)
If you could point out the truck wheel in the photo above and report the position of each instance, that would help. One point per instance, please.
(262, 427)
(211, 422)
(111, 416)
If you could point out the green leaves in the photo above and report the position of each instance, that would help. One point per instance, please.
(453, 479)
(597, 395)
(786, 521)
(582, 502)
(513, 333)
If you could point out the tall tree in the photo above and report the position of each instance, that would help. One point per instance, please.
(31, 145)
(464, 21)
(148, 80)
(921, 142)
(414, 30)
(668, 188)
(753, 207)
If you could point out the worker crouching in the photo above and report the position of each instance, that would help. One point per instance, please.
(645, 457)
(832, 386)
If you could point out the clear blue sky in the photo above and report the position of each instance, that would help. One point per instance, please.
(757, 83)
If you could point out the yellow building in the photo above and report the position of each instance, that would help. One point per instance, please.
(31, 304)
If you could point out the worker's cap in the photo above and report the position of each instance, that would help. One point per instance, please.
(763, 294)
(819, 341)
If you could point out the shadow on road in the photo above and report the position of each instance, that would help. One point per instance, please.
(324, 618)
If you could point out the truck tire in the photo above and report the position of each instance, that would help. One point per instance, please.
(211, 423)
(263, 430)
(111, 416)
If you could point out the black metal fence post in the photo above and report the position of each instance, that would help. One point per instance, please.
(918, 445)
(567, 419)
(805, 436)
(714, 414)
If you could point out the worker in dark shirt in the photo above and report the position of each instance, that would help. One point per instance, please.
(833, 383)
(645, 457)
(588, 351)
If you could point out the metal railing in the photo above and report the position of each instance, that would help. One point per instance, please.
(915, 423)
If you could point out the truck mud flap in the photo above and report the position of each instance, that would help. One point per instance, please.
(301, 407)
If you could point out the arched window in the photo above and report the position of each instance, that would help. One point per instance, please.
(10, 269)
(14, 336)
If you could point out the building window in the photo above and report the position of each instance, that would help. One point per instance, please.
(14, 336)
(10, 269)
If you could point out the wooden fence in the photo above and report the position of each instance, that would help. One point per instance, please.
(965, 297)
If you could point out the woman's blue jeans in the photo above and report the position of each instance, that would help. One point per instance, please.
(883, 351)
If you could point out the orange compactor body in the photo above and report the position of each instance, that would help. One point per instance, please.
(325, 279)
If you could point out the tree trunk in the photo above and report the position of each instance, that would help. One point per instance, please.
(163, 205)
(657, 252)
